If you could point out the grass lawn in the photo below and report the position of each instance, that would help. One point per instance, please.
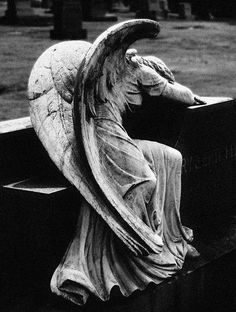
(202, 56)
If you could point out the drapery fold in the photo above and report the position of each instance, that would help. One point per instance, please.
(96, 260)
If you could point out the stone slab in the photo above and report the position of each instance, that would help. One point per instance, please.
(42, 185)
(13, 125)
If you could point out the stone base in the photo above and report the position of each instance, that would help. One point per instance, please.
(61, 35)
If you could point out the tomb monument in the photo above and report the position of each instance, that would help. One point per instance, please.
(131, 187)
(93, 192)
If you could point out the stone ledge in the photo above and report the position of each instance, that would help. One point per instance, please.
(13, 125)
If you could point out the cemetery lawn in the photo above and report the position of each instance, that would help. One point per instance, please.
(202, 56)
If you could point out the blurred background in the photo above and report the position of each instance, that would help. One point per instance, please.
(197, 40)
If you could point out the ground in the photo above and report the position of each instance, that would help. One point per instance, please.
(201, 55)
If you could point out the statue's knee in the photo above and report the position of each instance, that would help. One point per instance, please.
(178, 156)
(141, 194)
(152, 183)
(148, 187)
(175, 156)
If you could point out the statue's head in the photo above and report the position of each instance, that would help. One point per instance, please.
(113, 71)
(149, 61)
(106, 67)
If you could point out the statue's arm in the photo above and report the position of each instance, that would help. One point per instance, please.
(154, 84)
(178, 94)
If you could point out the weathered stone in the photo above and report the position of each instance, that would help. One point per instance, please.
(131, 187)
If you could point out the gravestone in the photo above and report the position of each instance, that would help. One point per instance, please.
(153, 9)
(24, 13)
(17, 9)
(201, 9)
(68, 20)
(97, 10)
(173, 5)
(184, 10)
(11, 13)
(24, 8)
(46, 4)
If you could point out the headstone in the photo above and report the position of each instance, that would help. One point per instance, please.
(45, 4)
(153, 9)
(185, 10)
(24, 8)
(68, 20)
(37, 3)
(201, 9)
(179, 9)
(164, 8)
(173, 5)
(23, 12)
(97, 10)
(11, 13)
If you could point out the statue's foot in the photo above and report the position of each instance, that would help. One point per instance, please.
(192, 252)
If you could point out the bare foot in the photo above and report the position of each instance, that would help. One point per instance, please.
(192, 252)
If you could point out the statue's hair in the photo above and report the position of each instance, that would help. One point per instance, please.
(152, 61)
(159, 66)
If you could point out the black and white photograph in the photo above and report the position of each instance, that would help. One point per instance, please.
(117, 155)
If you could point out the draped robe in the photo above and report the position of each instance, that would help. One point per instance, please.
(148, 177)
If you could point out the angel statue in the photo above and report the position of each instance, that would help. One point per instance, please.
(129, 231)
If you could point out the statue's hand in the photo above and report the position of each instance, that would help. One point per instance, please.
(153, 62)
(198, 100)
